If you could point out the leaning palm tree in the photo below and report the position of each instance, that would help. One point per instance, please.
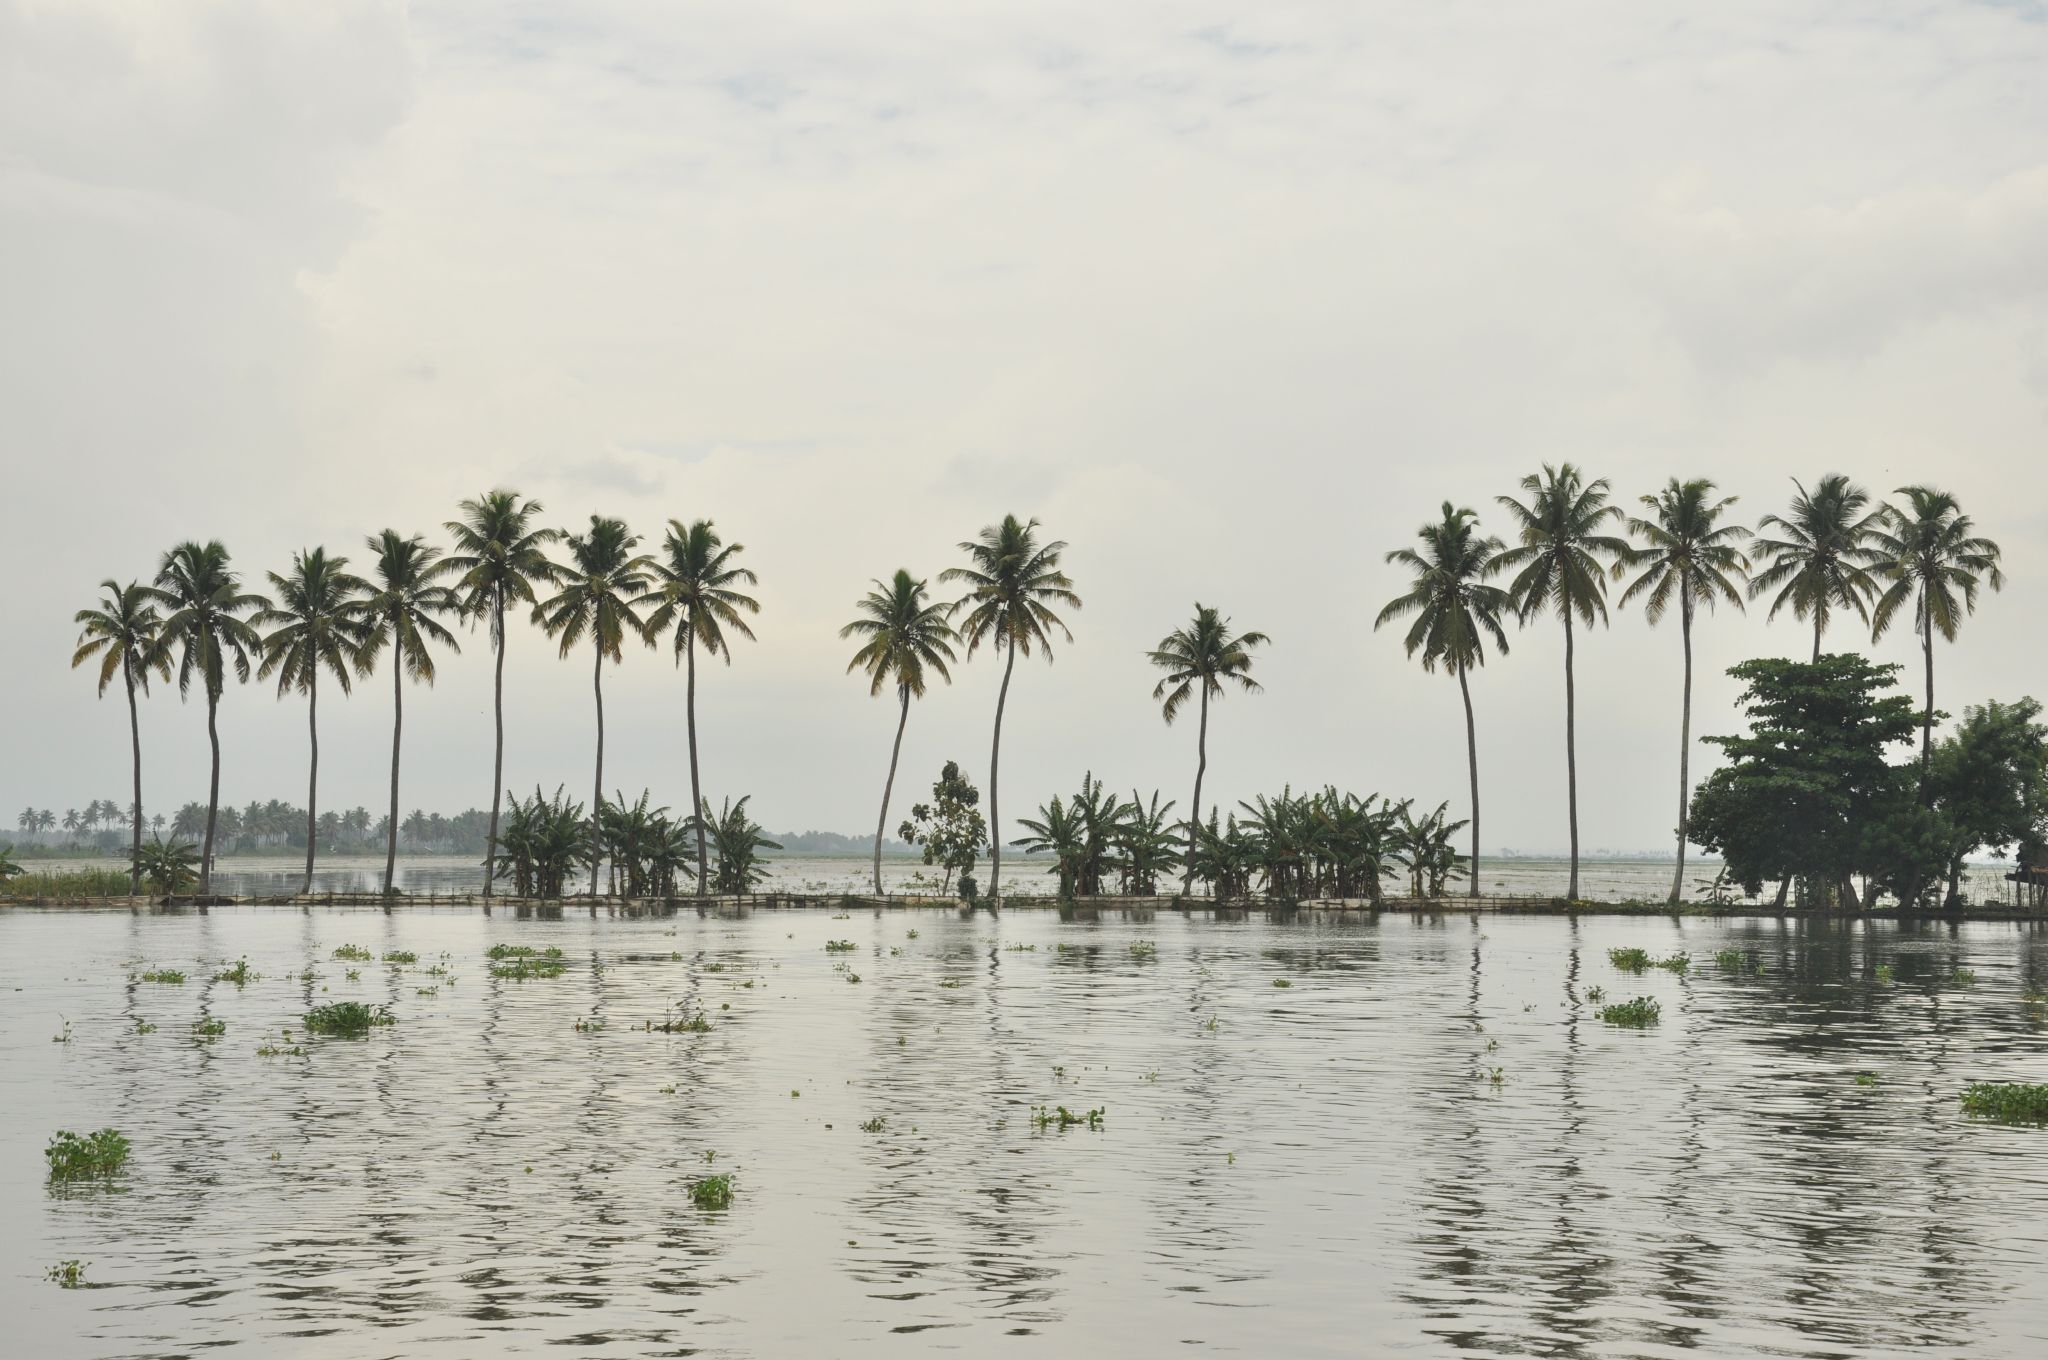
(1821, 561)
(122, 633)
(205, 626)
(400, 610)
(501, 557)
(1205, 653)
(602, 585)
(1558, 567)
(1455, 612)
(904, 635)
(318, 622)
(1931, 556)
(1012, 582)
(696, 578)
(1690, 556)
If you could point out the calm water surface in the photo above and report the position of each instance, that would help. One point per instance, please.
(1327, 1168)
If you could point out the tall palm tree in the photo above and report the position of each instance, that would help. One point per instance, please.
(1690, 556)
(1204, 653)
(1455, 612)
(122, 633)
(205, 625)
(318, 622)
(1821, 563)
(697, 579)
(1012, 580)
(905, 634)
(1931, 555)
(400, 610)
(1558, 567)
(602, 585)
(501, 557)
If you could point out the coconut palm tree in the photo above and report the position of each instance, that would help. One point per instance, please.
(200, 588)
(501, 557)
(401, 611)
(1821, 563)
(1689, 556)
(904, 635)
(318, 622)
(122, 633)
(1012, 580)
(1205, 653)
(602, 587)
(1455, 612)
(696, 579)
(1558, 567)
(1932, 556)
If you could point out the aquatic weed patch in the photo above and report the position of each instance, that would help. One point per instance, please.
(169, 977)
(2006, 1102)
(241, 974)
(712, 1192)
(1629, 960)
(67, 1274)
(354, 953)
(1060, 1117)
(401, 956)
(1640, 1013)
(347, 1019)
(209, 1028)
(840, 946)
(1676, 963)
(91, 1156)
(521, 967)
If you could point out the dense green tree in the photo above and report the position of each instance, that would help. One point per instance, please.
(1688, 556)
(1988, 781)
(1820, 560)
(950, 827)
(123, 633)
(1056, 831)
(402, 612)
(738, 842)
(1558, 567)
(903, 635)
(1199, 659)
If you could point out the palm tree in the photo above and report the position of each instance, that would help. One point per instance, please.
(1012, 581)
(318, 621)
(1455, 612)
(1822, 562)
(400, 612)
(205, 625)
(1206, 653)
(1690, 556)
(697, 596)
(904, 635)
(601, 586)
(502, 557)
(1560, 568)
(1931, 556)
(122, 632)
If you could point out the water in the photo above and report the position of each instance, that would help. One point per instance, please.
(1327, 1169)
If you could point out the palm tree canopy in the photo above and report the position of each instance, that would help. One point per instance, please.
(1012, 584)
(1205, 652)
(903, 634)
(497, 549)
(205, 596)
(1931, 555)
(601, 585)
(1557, 559)
(696, 579)
(122, 633)
(401, 607)
(1820, 560)
(318, 620)
(1455, 610)
(1687, 553)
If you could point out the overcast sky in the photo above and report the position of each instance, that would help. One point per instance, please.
(1229, 296)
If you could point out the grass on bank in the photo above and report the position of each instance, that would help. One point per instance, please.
(66, 883)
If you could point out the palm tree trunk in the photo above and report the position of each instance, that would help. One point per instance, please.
(397, 729)
(1684, 749)
(889, 785)
(135, 741)
(1187, 882)
(995, 820)
(1927, 718)
(597, 787)
(1571, 755)
(1472, 769)
(312, 775)
(498, 761)
(696, 791)
(1818, 624)
(212, 793)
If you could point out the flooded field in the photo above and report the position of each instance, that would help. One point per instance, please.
(1287, 1135)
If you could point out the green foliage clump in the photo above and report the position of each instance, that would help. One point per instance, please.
(209, 1028)
(168, 867)
(1676, 963)
(75, 1157)
(1732, 960)
(840, 946)
(1059, 1116)
(950, 828)
(170, 977)
(696, 1024)
(1640, 1013)
(68, 1274)
(712, 1192)
(523, 966)
(63, 883)
(2006, 1102)
(874, 1125)
(240, 974)
(1629, 960)
(401, 956)
(347, 1019)
(354, 953)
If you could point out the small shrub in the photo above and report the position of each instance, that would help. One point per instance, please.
(1629, 960)
(73, 1157)
(347, 1019)
(354, 953)
(712, 1192)
(170, 977)
(2006, 1102)
(1640, 1013)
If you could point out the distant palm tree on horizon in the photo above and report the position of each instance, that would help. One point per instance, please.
(906, 634)
(401, 609)
(1822, 562)
(1013, 580)
(1690, 556)
(1205, 653)
(1455, 611)
(123, 632)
